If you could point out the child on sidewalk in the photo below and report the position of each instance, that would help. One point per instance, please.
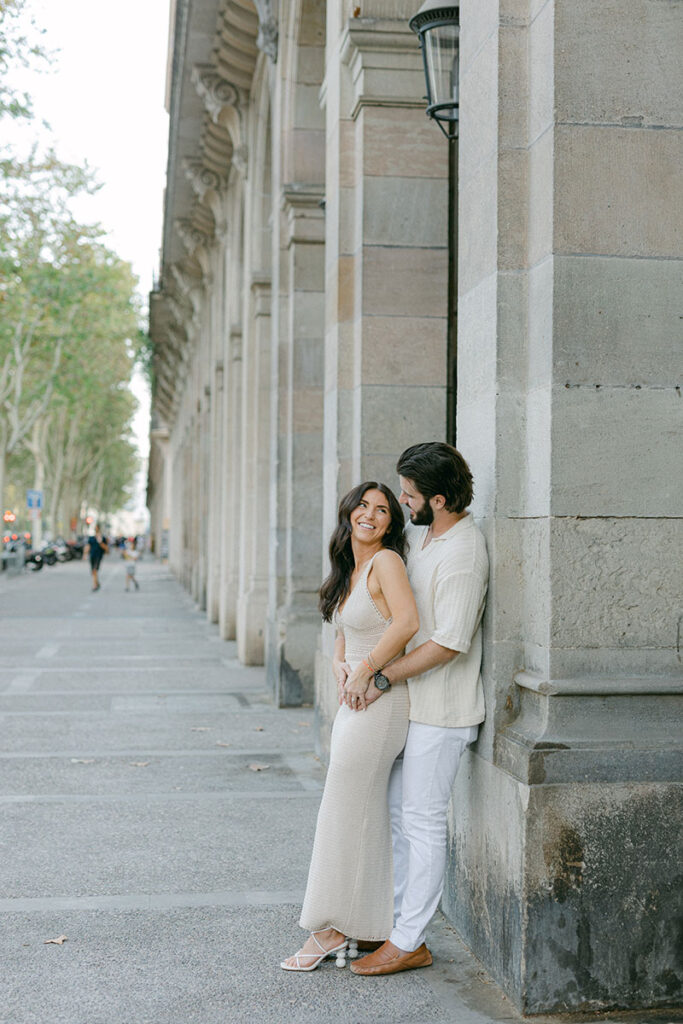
(131, 556)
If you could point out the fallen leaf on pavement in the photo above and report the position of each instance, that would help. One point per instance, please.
(258, 767)
(219, 744)
(82, 760)
(305, 724)
(201, 728)
(56, 942)
(258, 728)
(139, 764)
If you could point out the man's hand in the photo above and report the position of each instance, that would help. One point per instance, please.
(371, 695)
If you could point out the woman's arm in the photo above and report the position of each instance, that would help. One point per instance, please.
(340, 667)
(393, 580)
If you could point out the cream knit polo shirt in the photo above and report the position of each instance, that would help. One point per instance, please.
(449, 579)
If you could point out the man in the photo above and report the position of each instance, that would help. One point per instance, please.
(448, 571)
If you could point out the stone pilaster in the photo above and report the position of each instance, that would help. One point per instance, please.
(296, 622)
(386, 269)
(253, 592)
(232, 427)
(566, 407)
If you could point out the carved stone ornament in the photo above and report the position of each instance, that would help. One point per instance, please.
(268, 32)
(202, 178)
(180, 279)
(191, 237)
(177, 312)
(215, 92)
(239, 160)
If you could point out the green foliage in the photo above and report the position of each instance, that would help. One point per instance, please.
(17, 49)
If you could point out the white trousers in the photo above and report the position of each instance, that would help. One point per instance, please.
(419, 793)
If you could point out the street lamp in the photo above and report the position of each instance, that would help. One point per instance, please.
(438, 28)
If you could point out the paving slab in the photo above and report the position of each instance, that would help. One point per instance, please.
(152, 843)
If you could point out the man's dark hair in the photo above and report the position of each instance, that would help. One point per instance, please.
(438, 468)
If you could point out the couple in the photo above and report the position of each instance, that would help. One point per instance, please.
(396, 746)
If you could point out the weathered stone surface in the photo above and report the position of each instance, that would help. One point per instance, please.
(604, 65)
(404, 211)
(404, 281)
(394, 416)
(484, 883)
(400, 143)
(622, 588)
(613, 451)
(477, 227)
(599, 865)
(404, 350)
(615, 190)
(617, 321)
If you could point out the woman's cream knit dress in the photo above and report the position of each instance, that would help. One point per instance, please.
(350, 880)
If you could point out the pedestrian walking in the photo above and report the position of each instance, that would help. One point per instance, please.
(97, 548)
(130, 556)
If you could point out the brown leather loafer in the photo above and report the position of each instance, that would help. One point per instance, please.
(389, 959)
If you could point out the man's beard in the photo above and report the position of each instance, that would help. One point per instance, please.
(423, 516)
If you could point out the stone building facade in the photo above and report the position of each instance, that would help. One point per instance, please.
(299, 331)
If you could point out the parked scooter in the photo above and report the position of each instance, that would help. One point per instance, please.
(49, 553)
(62, 550)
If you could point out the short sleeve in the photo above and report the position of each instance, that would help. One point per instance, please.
(458, 606)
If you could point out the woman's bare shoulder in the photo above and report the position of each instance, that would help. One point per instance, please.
(388, 559)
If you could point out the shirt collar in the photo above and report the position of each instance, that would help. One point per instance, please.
(463, 523)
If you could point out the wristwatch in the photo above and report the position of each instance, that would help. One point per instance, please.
(381, 682)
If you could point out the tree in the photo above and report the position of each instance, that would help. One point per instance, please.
(69, 321)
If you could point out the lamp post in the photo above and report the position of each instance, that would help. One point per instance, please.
(438, 28)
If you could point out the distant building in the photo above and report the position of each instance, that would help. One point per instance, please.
(300, 335)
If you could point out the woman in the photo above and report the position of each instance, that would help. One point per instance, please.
(367, 595)
(97, 547)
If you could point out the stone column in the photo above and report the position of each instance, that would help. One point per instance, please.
(231, 319)
(386, 269)
(296, 623)
(253, 601)
(564, 815)
(231, 487)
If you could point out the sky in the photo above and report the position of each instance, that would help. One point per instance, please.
(103, 98)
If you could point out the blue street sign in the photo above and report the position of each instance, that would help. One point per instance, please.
(34, 499)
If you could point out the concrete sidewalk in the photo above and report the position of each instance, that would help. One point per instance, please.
(134, 824)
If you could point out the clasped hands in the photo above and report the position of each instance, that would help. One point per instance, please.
(355, 688)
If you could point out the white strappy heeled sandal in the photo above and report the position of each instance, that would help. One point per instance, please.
(317, 960)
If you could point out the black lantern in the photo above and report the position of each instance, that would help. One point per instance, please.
(438, 26)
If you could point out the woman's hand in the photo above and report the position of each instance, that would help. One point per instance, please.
(356, 687)
(342, 670)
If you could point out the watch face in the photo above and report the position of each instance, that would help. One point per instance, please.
(381, 682)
